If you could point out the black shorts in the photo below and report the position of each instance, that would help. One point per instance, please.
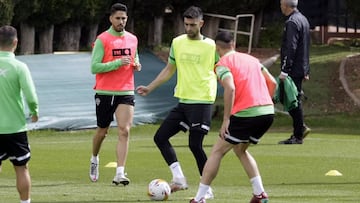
(15, 147)
(195, 117)
(248, 129)
(106, 106)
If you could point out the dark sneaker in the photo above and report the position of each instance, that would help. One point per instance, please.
(291, 140)
(262, 198)
(200, 201)
(306, 131)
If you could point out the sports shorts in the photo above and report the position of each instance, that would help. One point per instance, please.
(248, 129)
(15, 147)
(106, 106)
(193, 117)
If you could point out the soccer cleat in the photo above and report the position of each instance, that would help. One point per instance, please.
(121, 179)
(200, 201)
(291, 140)
(262, 198)
(178, 184)
(306, 131)
(209, 194)
(94, 170)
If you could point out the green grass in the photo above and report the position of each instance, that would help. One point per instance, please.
(60, 160)
(60, 164)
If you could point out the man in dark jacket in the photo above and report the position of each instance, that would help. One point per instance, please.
(295, 62)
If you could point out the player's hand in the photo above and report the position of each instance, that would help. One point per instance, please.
(126, 60)
(34, 118)
(142, 90)
(137, 66)
(282, 76)
(307, 77)
(224, 130)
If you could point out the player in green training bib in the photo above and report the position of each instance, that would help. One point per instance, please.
(193, 57)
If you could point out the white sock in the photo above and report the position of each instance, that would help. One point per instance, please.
(95, 158)
(257, 185)
(201, 191)
(176, 170)
(120, 170)
(25, 201)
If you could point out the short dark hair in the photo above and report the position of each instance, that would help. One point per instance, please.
(224, 39)
(193, 12)
(7, 35)
(224, 36)
(118, 7)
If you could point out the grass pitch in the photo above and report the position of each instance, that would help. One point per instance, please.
(296, 173)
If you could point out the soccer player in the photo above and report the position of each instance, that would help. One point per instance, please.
(193, 56)
(15, 81)
(114, 59)
(248, 114)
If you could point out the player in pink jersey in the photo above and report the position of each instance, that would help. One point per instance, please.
(248, 114)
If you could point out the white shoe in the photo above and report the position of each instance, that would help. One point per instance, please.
(209, 194)
(178, 184)
(121, 179)
(94, 170)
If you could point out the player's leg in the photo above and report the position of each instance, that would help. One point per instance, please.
(23, 182)
(104, 116)
(199, 116)
(124, 117)
(172, 124)
(250, 130)
(211, 168)
(18, 150)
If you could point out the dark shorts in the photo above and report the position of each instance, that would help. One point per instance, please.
(106, 106)
(195, 117)
(248, 129)
(15, 147)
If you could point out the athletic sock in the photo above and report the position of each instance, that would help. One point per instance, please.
(25, 201)
(120, 170)
(257, 185)
(176, 170)
(95, 158)
(201, 191)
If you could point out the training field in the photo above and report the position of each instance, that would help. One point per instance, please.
(60, 166)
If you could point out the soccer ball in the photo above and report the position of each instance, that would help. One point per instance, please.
(159, 190)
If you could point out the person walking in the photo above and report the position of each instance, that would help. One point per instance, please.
(114, 59)
(193, 57)
(295, 63)
(248, 114)
(15, 82)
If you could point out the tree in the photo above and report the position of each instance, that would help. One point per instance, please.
(7, 11)
(23, 10)
(354, 8)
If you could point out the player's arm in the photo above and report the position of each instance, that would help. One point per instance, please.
(28, 89)
(97, 66)
(166, 73)
(270, 81)
(226, 80)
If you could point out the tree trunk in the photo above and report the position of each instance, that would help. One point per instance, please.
(46, 37)
(158, 25)
(211, 26)
(257, 28)
(92, 34)
(27, 41)
(70, 37)
(178, 24)
(150, 39)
